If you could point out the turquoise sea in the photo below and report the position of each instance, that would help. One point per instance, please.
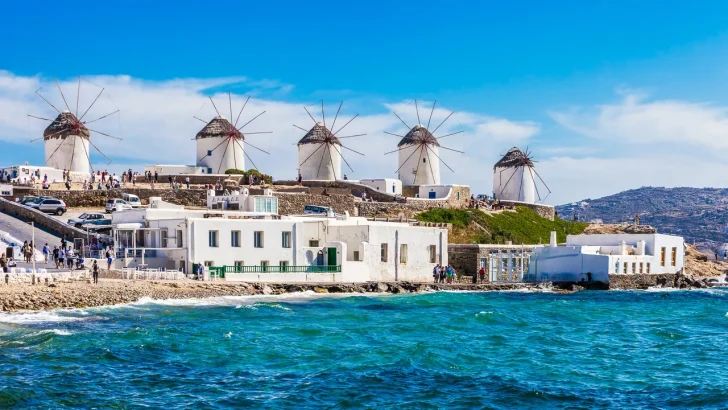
(504, 350)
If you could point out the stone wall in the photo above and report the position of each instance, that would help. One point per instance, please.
(195, 179)
(289, 204)
(641, 281)
(95, 198)
(544, 211)
(41, 219)
(464, 258)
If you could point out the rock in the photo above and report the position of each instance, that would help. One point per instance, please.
(319, 289)
(382, 287)
(267, 290)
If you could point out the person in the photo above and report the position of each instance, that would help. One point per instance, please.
(45, 177)
(200, 271)
(171, 183)
(436, 272)
(442, 274)
(80, 261)
(61, 258)
(300, 179)
(4, 263)
(85, 185)
(109, 259)
(64, 243)
(46, 251)
(95, 271)
(345, 177)
(481, 273)
(156, 176)
(24, 251)
(55, 256)
(69, 258)
(448, 273)
(187, 181)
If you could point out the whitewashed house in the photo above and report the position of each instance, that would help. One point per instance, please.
(595, 257)
(255, 244)
(386, 185)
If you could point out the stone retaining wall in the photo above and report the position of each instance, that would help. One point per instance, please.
(291, 204)
(544, 211)
(9, 279)
(41, 219)
(641, 281)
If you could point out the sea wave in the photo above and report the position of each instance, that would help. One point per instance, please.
(41, 316)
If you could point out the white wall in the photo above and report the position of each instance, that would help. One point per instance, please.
(441, 191)
(514, 184)
(176, 169)
(72, 155)
(386, 185)
(653, 247)
(24, 172)
(319, 163)
(427, 173)
(226, 156)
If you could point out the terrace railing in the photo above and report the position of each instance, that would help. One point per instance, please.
(280, 269)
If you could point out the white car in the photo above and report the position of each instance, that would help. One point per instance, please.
(113, 205)
(51, 205)
(132, 200)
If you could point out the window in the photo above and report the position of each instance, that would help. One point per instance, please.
(424, 160)
(209, 263)
(674, 257)
(356, 255)
(209, 152)
(641, 267)
(258, 239)
(235, 239)
(385, 247)
(264, 266)
(283, 265)
(648, 268)
(313, 244)
(163, 237)
(663, 251)
(433, 253)
(634, 267)
(625, 267)
(403, 253)
(266, 204)
(238, 264)
(179, 238)
(286, 239)
(212, 237)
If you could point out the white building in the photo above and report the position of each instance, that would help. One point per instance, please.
(598, 256)
(514, 178)
(418, 161)
(262, 246)
(22, 174)
(386, 185)
(319, 155)
(67, 145)
(176, 169)
(440, 192)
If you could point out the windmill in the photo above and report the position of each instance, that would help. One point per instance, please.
(514, 177)
(419, 151)
(68, 136)
(319, 153)
(220, 143)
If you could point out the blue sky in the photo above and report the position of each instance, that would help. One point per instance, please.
(614, 83)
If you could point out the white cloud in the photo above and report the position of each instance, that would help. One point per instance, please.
(157, 125)
(636, 120)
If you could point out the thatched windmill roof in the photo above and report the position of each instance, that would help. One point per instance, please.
(66, 124)
(219, 127)
(319, 135)
(419, 135)
(514, 158)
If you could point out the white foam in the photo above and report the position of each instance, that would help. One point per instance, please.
(248, 301)
(41, 316)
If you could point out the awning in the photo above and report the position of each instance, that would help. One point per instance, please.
(134, 225)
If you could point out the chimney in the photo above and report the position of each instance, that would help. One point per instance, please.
(553, 239)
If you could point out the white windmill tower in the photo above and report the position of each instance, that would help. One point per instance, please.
(220, 143)
(319, 151)
(419, 152)
(514, 177)
(67, 138)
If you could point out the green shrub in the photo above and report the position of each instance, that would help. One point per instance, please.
(233, 171)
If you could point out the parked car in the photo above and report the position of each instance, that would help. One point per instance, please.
(88, 218)
(316, 210)
(132, 200)
(51, 205)
(26, 199)
(481, 197)
(113, 205)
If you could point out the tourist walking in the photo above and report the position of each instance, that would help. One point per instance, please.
(61, 258)
(436, 272)
(46, 251)
(69, 258)
(109, 259)
(481, 274)
(156, 176)
(95, 272)
(4, 263)
(55, 256)
(187, 182)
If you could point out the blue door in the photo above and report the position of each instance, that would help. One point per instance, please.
(392, 188)
(431, 195)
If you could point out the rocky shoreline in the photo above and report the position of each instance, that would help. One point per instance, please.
(113, 292)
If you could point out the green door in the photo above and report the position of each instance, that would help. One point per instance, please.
(332, 256)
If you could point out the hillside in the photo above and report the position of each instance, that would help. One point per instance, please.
(520, 226)
(698, 214)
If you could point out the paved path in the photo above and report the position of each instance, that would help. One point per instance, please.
(22, 231)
